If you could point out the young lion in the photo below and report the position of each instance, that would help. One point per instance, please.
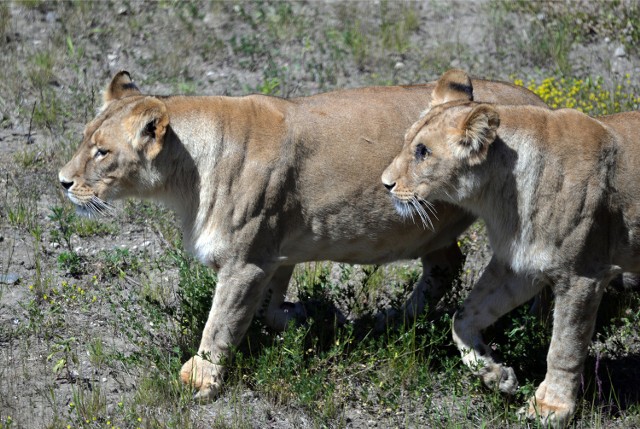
(558, 191)
(260, 184)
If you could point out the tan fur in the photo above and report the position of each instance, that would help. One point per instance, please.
(261, 184)
(559, 193)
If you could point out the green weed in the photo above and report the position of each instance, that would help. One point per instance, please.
(29, 158)
(85, 228)
(195, 294)
(117, 263)
(72, 263)
(64, 219)
(5, 22)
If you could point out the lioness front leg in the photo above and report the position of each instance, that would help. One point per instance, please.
(574, 318)
(497, 292)
(236, 299)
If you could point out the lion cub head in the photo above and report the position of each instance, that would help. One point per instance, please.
(453, 135)
(118, 147)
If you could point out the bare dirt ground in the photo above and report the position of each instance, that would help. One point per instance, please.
(73, 307)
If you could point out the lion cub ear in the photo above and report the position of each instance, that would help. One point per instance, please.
(453, 85)
(121, 86)
(477, 132)
(147, 126)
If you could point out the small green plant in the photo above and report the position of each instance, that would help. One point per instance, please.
(117, 263)
(552, 42)
(85, 227)
(72, 263)
(269, 86)
(62, 354)
(197, 285)
(396, 26)
(65, 222)
(29, 158)
(21, 214)
(6, 422)
(41, 72)
(5, 21)
(358, 43)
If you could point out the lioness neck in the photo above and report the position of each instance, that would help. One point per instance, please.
(212, 148)
(531, 188)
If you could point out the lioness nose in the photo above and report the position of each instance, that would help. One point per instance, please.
(65, 184)
(389, 186)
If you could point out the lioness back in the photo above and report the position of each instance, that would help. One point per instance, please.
(350, 136)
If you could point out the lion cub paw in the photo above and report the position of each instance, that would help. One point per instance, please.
(502, 377)
(203, 376)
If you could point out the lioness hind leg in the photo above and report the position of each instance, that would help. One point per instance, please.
(497, 292)
(439, 268)
(235, 301)
(574, 319)
(278, 313)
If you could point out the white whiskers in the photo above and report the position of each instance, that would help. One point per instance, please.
(414, 205)
(95, 207)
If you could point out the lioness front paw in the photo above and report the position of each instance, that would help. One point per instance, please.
(203, 376)
(500, 376)
(548, 409)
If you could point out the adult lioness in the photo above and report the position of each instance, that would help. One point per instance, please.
(560, 194)
(261, 184)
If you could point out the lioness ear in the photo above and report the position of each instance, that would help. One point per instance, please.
(121, 86)
(147, 126)
(477, 132)
(452, 85)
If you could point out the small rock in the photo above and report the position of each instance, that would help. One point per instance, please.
(123, 11)
(55, 245)
(78, 249)
(620, 52)
(9, 278)
(399, 65)
(51, 17)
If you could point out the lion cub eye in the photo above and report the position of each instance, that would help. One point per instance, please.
(422, 152)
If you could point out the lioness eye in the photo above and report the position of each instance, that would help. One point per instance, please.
(422, 151)
(101, 152)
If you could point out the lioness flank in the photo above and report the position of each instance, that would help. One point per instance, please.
(260, 184)
(559, 192)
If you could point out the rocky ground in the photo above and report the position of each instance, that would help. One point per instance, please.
(88, 325)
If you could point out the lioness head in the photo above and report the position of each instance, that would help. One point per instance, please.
(118, 147)
(453, 135)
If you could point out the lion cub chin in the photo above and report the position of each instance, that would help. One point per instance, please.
(558, 191)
